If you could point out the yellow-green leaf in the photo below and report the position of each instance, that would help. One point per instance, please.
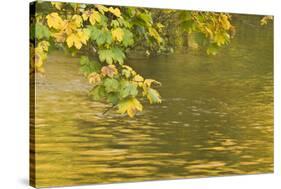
(102, 8)
(115, 11)
(130, 106)
(57, 5)
(95, 17)
(117, 34)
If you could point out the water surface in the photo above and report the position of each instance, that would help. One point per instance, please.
(216, 118)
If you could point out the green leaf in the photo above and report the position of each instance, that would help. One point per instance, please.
(111, 85)
(106, 55)
(153, 96)
(130, 106)
(118, 55)
(128, 38)
(42, 31)
(109, 56)
(98, 92)
(88, 66)
(128, 89)
(146, 17)
(100, 36)
(113, 98)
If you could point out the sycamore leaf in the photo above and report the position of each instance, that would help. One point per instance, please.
(106, 56)
(94, 78)
(77, 39)
(128, 38)
(113, 98)
(117, 34)
(128, 89)
(59, 36)
(88, 66)
(138, 78)
(111, 85)
(100, 36)
(126, 73)
(55, 21)
(115, 11)
(149, 82)
(153, 32)
(118, 55)
(225, 22)
(109, 70)
(102, 9)
(41, 31)
(146, 18)
(109, 56)
(130, 106)
(221, 38)
(98, 92)
(57, 5)
(40, 55)
(77, 20)
(153, 96)
(93, 16)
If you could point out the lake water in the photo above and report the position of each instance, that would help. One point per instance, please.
(216, 118)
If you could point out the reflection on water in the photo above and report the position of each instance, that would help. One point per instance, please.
(216, 119)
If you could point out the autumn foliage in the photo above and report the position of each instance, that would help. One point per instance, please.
(103, 35)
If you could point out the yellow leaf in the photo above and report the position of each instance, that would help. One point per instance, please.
(94, 16)
(40, 55)
(57, 5)
(55, 21)
(60, 36)
(153, 32)
(117, 34)
(225, 22)
(148, 82)
(44, 45)
(77, 20)
(130, 106)
(77, 39)
(101, 8)
(85, 15)
(138, 78)
(115, 11)
(94, 78)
